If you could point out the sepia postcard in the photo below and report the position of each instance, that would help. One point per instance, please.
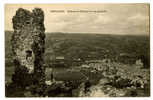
(77, 50)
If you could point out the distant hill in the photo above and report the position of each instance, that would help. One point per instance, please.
(90, 46)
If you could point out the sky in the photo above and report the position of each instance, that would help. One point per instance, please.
(122, 19)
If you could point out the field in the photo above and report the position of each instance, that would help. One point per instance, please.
(106, 61)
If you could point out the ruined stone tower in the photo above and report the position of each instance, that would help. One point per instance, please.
(28, 46)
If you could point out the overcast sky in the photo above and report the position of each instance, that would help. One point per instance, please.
(114, 18)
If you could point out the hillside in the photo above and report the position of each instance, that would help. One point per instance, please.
(90, 46)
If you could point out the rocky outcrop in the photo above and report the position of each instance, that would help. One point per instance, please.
(28, 46)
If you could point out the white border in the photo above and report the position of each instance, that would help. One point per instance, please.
(2, 78)
(2, 49)
(76, 1)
